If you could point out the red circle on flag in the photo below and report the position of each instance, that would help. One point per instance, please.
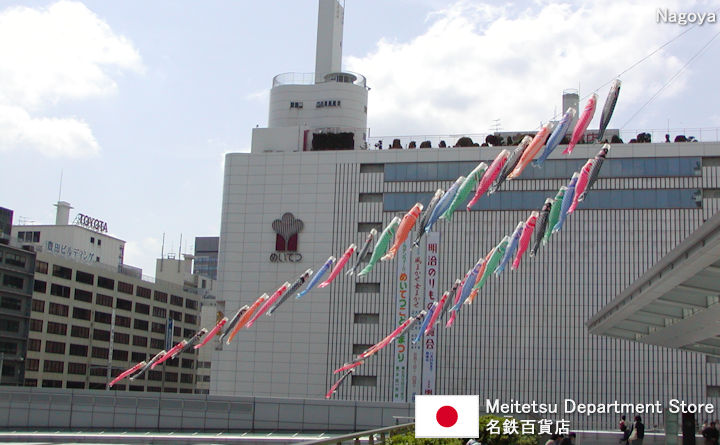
(446, 416)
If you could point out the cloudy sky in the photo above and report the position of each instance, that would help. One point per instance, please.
(136, 102)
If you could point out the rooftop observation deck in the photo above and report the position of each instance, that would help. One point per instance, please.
(309, 79)
(697, 134)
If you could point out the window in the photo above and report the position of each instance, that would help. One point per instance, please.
(186, 378)
(84, 277)
(122, 338)
(59, 290)
(171, 377)
(99, 242)
(35, 325)
(58, 309)
(14, 326)
(32, 364)
(13, 304)
(78, 350)
(157, 344)
(83, 295)
(81, 314)
(139, 341)
(33, 345)
(175, 315)
(13, 259)
(80, 332)
(106, 283)
(364, 227)
(366, 319)
(155, 375)
(187, 363)
(191, 304)
(190, 318)
(99, 372)
(56, 328)
(75, 385)
(100, 353)
(8, 347)
(53, 366)
(62, 272)
(104, 300)
(92, 240)
(125, 288)
(160, 296)
(363, 380)
(176, 300)
(123, 322)
(101, 335)
(38, 305)
(54, 347)
(367, 288)
(125, 305)
(140, 325)
(176, 331)
(142, 292)
(13, 281)
(370, 197)
(159, 312)
(187, 333)
(52, 383)
(297, 105)
(103, 317)
(360, 348)
(142, 308)
(158, 328)
(120, 355)
(137, 357)
(40, 286)
(41, 267)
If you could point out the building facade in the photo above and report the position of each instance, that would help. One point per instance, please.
(88, 322)
(524, 338)
(16, 289)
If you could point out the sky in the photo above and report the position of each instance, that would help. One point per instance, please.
(136, 103)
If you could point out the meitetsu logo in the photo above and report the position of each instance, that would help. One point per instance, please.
(685, 18)
(286, 240)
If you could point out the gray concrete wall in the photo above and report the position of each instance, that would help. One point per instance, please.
(62, 409)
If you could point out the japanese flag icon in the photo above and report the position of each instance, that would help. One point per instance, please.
(447, 416)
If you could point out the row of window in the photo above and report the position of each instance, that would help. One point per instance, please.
(48, 383)
(551, 169)
(58, 367)
(29, 237)
(533, 200)
(109, 283)
(13, 282)
(99, 334)
(106, 300)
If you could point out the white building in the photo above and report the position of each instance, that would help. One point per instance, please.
(523, 339)
(322, 110)
(85, 240)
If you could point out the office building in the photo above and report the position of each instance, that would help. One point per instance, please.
(524, 338)
(16, 288)
(206, 255)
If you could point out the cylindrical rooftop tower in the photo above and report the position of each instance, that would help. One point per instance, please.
(62, 217)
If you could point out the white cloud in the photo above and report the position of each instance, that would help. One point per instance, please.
(143, 254)
(54, 54)
(478, 63)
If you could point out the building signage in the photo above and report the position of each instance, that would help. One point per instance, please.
(286, 239)
(417, 303)
(401, 314)
(70, 252)
(431, 285)
(90, 223)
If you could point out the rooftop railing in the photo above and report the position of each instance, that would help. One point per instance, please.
(309, 79)
(689, 134)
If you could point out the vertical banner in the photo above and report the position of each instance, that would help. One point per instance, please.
(169, 334)
(431, 289)
(401, 314)
(417, 303)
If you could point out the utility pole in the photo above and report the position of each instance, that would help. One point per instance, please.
(110, 352)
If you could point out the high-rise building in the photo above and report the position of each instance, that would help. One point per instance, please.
(91, 316)
(16, 287)
(524, 338)
(206, 256)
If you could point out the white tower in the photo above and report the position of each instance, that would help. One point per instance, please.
(328, 53)
(325, 110)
